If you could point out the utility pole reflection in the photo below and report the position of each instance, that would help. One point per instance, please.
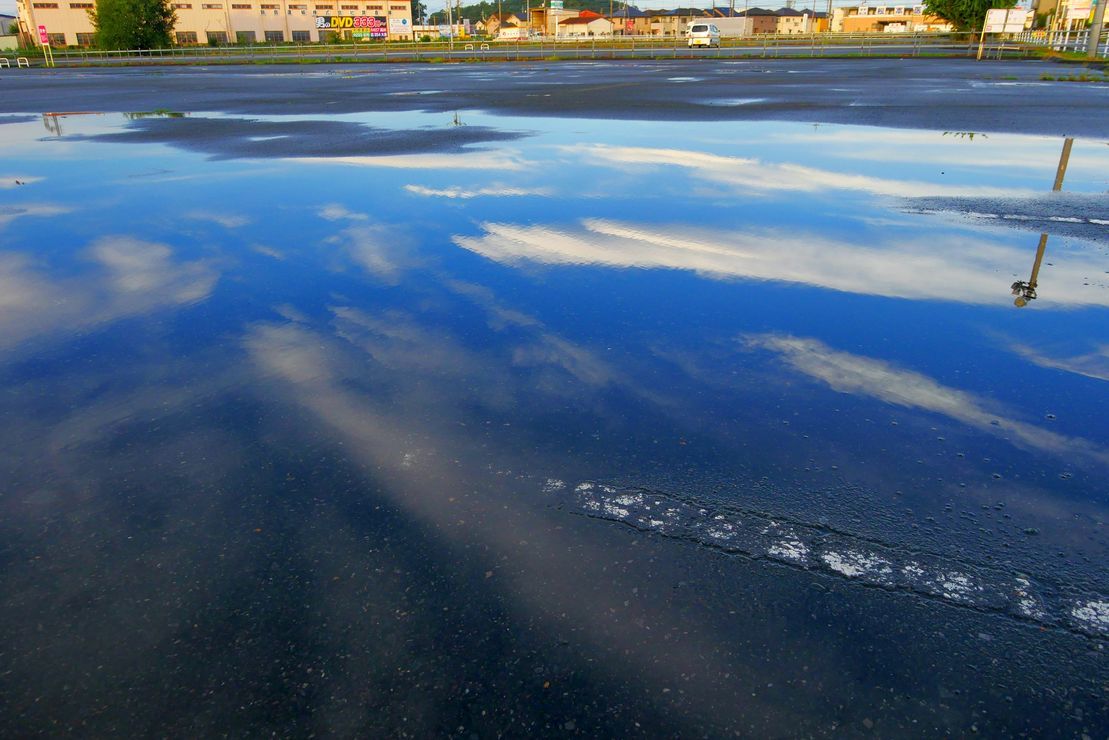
(1026, 291)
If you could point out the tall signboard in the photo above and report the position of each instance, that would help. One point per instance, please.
(360, 26)
(1002, 20)
(47, 52)
(1079, 10)
(1006, 20)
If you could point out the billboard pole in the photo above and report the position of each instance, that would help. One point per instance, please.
(1095, 30)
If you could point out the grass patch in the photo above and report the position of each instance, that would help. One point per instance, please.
(1075, 78)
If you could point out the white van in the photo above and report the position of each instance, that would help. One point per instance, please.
(703, 34)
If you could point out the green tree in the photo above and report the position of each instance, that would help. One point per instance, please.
(965, 15)
(133, 24)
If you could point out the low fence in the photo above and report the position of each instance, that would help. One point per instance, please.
(1076, 42)
(764, 46)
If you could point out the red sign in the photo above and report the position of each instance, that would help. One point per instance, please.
(44, 37)
(629, 25)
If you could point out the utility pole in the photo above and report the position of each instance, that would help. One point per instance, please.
(1064, 160)
(1095, 30)
(450, 26)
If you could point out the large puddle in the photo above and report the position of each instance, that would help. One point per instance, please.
(458, 424)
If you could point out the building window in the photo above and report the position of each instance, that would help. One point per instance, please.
(349, 7)
(86, 39)
(45, 6)
(80, 6)
(241, 6)
(399, 7)
(57, 39)
(298, 7)
(274, 37)
(375, 7)
(212, 6)
(183, 6)
(186, 37)
(302, 36)
(245, 37)
(217, 37)
(325, 7)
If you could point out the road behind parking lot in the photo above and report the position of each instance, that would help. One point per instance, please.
(938, 94)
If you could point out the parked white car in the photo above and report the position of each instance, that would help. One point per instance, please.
(703, 34)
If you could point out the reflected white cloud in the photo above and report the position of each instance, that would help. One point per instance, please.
(226, 220)
(465, 194)
(500, 316)
(968, 270)
(574, 359)
(440, 474)
(130, 277)
(1091, 365)
(143, 269)
(8, 182)
(466, 160)
(339, 212)
(753, 176)
(995, 151)
(378, 249)
(11, 213)
(268, 251)
(865, 376)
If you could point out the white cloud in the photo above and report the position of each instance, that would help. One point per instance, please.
(947, 267)
(753, 176)
(857, 375)
(463, 193)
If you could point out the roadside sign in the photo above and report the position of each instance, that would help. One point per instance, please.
(44, 37)
(1079, 10)
(398, 25)
(556, 4)
(445, 31)
(1006, 20)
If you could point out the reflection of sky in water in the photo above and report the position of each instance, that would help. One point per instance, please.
(744, 315)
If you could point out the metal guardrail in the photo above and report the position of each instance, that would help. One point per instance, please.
(1065, 41)
(763, 45)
